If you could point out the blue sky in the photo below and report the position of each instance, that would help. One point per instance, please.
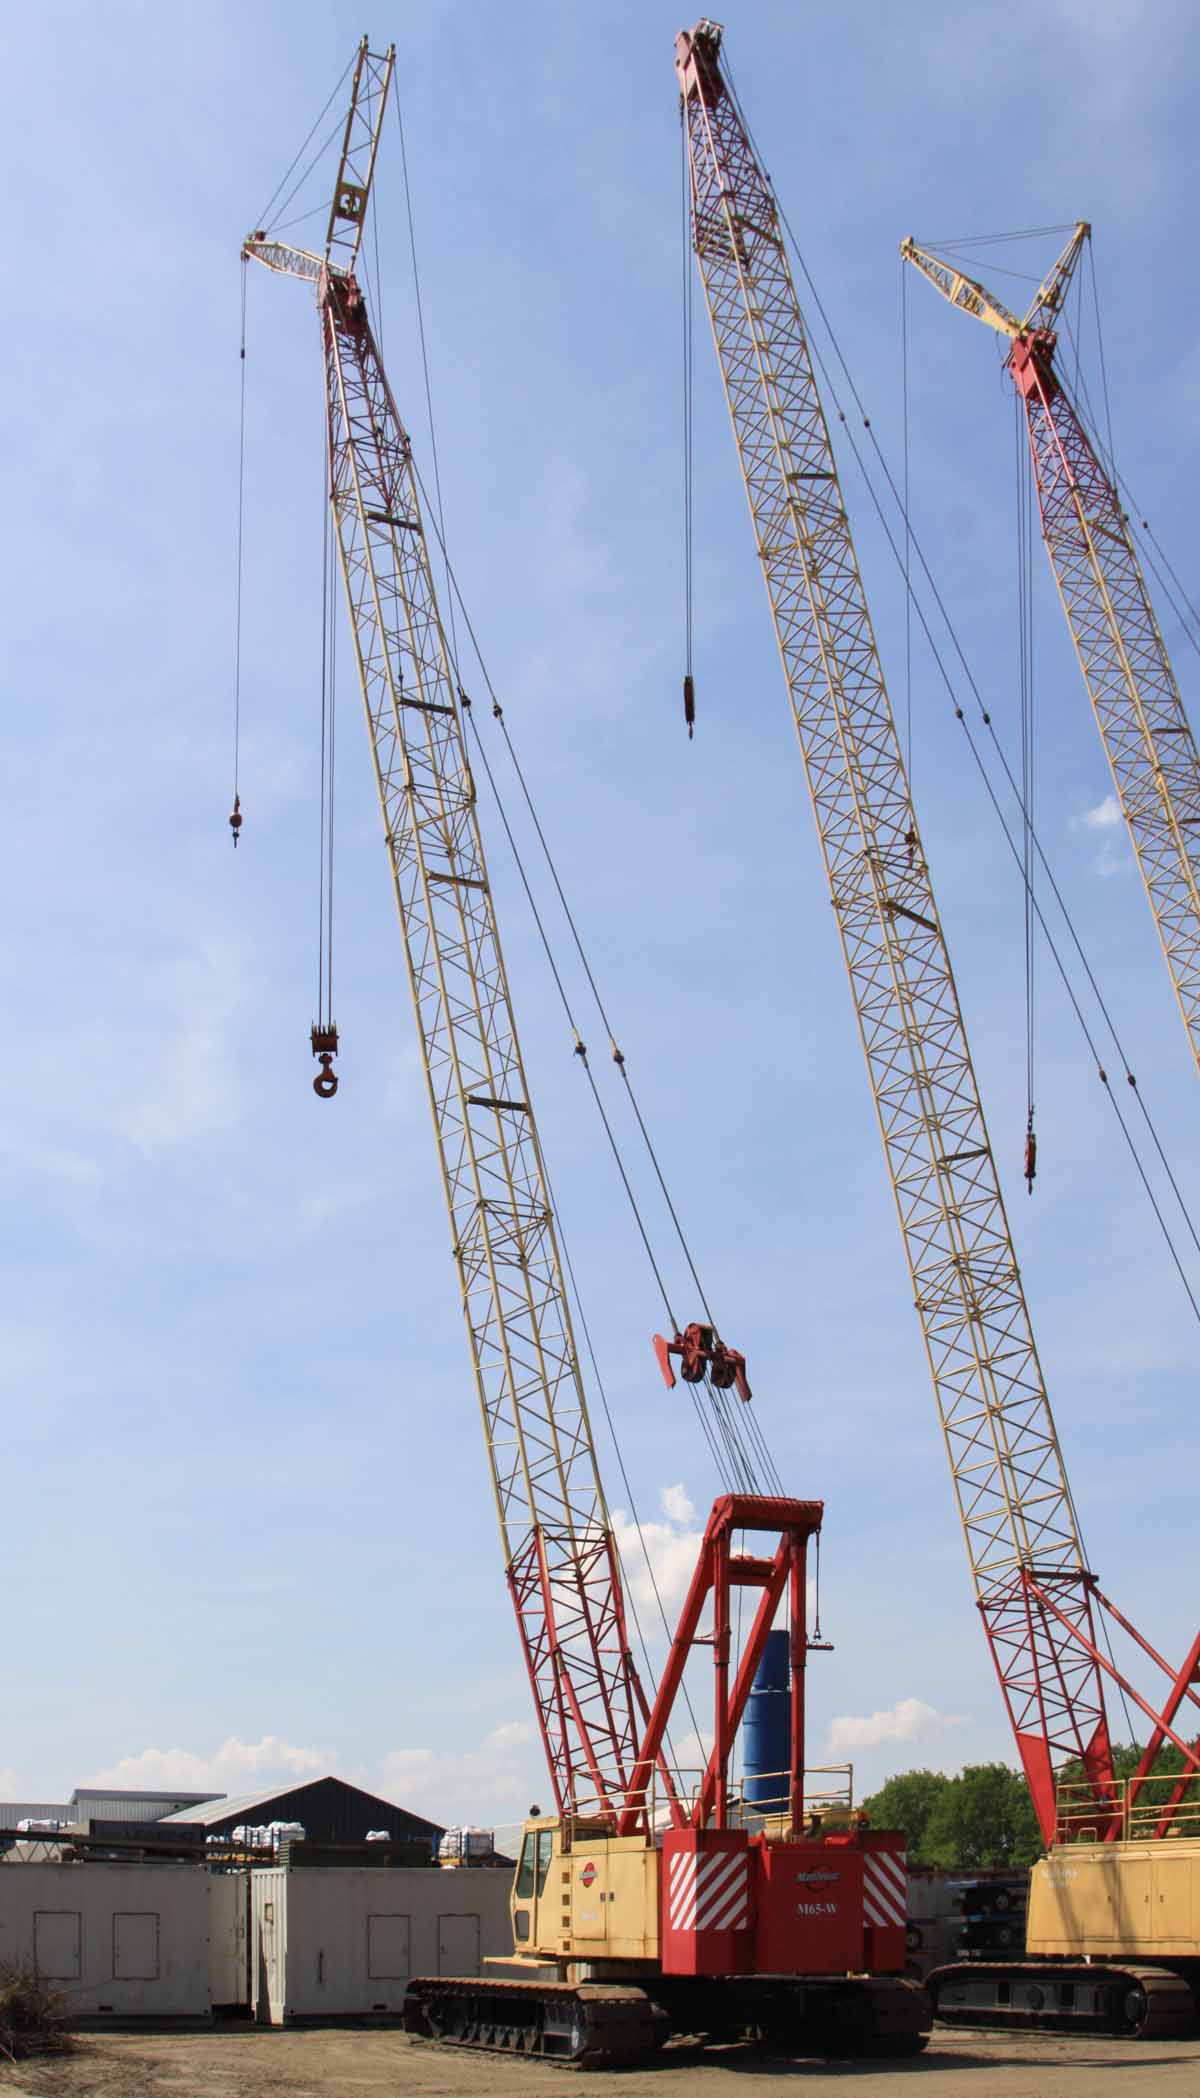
(247, 1526)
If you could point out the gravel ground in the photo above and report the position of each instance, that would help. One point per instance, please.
(336, 2062)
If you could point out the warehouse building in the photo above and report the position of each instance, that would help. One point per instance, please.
(91, 1803)
(327, 1808)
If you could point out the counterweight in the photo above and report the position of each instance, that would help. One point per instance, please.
(1139, 711)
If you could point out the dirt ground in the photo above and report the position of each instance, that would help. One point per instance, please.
(250, 2062)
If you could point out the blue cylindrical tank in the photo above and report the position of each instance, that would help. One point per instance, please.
(766, 1728)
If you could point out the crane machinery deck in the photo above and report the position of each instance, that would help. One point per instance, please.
(1114, 1911)
(1139, 711)
(640, 1906)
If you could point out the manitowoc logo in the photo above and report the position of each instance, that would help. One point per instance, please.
(818, 1878)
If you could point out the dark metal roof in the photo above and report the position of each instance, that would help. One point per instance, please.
(330, 1810)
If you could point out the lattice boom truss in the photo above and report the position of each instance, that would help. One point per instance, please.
(1004, 1455)
(1146, 734)
(1137, 703)
(558, 1545)
(557, 1541)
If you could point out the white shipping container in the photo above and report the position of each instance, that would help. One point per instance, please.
(343, 1941)
(120, 1940)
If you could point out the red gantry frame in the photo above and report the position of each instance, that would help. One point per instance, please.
(719, 1570)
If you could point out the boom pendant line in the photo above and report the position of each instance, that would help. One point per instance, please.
(1139, 711)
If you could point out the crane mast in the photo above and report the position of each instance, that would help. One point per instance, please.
(557, 1538)
(1034, 1591)
(1139, 711)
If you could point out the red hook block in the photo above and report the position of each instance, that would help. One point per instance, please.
(699, 1350)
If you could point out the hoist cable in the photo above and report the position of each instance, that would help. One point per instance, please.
(581, 1315)
(433, 443)
(908, 688)
(329, 560)
(1007, 770)
(454, 597)
(721, 1431)
(298, 185)
(264, 216)
(688, 369)
(241, 522)
(705, 1424)
(618, 1056)
(1024, 507)
(1171, 584)
(1050, 877)
(958, 709)
(1112, 457)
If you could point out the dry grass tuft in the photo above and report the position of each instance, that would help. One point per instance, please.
(33, 2014)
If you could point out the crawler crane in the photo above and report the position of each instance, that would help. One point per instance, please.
(638, 1907)
(1114, 1914)
(1146, 734)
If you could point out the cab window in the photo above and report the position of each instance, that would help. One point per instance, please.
(545, 1850)
(525, 1869)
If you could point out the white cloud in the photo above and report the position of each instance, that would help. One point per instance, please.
(1105, 816)
(511, 1735)
(237, 1766)
(676, 1506)
(1106, 823)
(320, 1207)
(671, 1547)
(490, 1784)
(903, 1722)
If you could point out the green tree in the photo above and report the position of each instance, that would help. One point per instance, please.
(907, 1802)
(984, 1817)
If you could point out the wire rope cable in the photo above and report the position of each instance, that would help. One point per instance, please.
(741, 1449)
(235, 819)
(986, 718)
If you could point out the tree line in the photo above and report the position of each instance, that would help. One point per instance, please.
(984, 1816)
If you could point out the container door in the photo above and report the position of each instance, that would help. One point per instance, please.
(458, 1944)
(387, 1949)
(57, 1944)
(135, 1945)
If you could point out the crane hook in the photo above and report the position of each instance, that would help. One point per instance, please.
(1030, 1155)
(689, 703)
(235, 818)
(324, 1045)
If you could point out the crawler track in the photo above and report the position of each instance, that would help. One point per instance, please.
(593, 2026)
(583, 2026)
(1100, 1996)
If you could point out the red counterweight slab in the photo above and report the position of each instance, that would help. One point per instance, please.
(830, 1906)
(707, 1910)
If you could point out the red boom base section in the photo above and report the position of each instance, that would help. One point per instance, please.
(733, 1903)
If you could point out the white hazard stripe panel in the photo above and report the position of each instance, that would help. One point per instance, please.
(885, 1887)
(709, 1891)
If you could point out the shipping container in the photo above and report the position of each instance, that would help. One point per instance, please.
(343, 1942)
(122, 1941)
